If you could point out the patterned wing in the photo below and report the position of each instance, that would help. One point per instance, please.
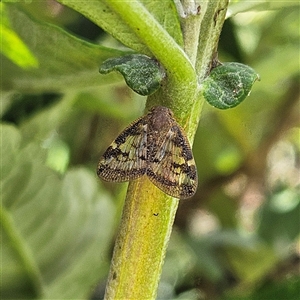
(172, 167)
(126, 157)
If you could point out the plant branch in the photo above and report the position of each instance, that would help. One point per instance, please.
(146, 225)
(148, 213)
(181, 78)
(155, 37)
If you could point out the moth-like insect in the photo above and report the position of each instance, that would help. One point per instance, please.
(153, 145)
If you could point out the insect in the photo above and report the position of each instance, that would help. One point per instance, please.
(156, 146)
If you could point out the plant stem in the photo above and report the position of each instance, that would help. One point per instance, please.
(157, 39)
(181, 80)
(140, 247)
(148, 213)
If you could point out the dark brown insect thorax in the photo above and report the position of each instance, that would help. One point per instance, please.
(160, 122)
(160, 119)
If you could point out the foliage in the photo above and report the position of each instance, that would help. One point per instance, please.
(238, 238)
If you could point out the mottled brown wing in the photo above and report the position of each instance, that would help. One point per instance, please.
(126, 157)
(172, 168)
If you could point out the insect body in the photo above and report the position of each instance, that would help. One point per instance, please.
(156, 146)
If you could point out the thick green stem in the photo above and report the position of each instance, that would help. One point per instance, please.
(148, 213)
(157, 39)
(141, 244)
(181, 80)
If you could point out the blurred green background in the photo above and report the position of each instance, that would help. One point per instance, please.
(237, 238)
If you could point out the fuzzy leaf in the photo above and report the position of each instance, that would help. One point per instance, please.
(141, 73)
(228, 85)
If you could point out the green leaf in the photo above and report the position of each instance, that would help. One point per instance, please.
(56, 230)
(108, 19)
(141, 73)
(13, 47)
(228, 85)
(247, 6)
(65, 62)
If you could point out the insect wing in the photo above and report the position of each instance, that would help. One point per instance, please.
(126, 157)
(173, 168)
